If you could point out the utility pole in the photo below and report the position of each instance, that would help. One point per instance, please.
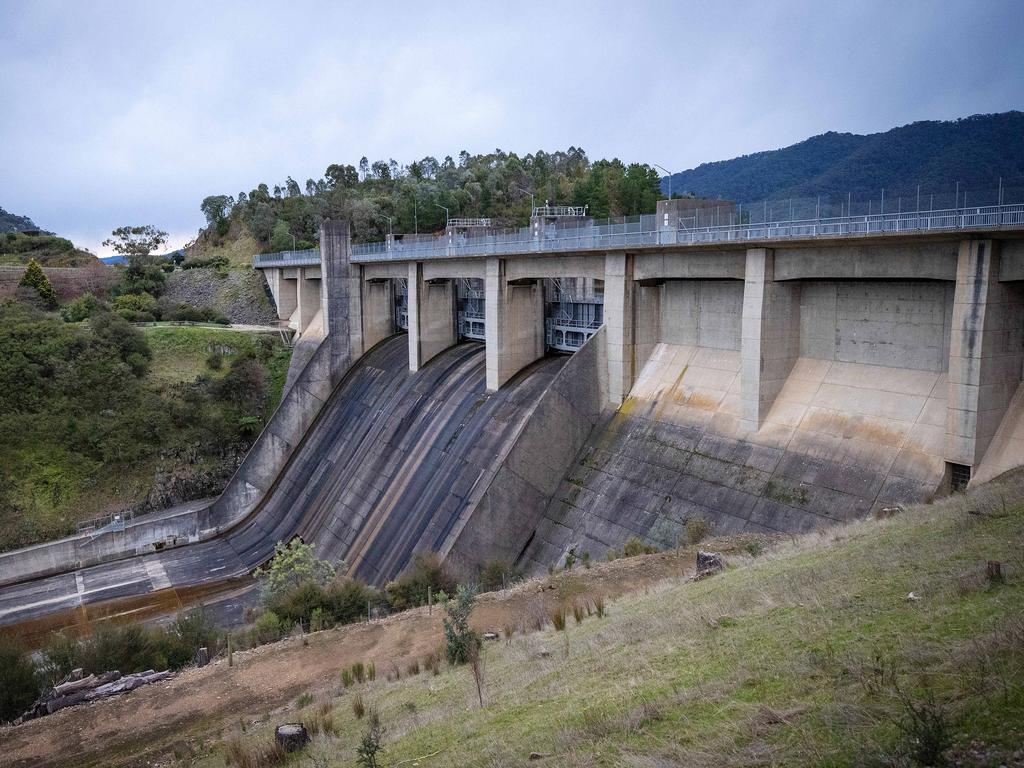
(666, 170)
(533, 202)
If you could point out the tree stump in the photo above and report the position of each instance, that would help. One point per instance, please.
(291, 736)
(709, 563)
(202, 657)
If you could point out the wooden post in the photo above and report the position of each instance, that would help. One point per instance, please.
(231, 657)
(430, 601)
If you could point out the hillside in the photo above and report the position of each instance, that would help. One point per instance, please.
(862, 645)
(100, 416)
(12, 222)
(976, 151)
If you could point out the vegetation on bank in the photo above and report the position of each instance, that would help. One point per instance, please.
(17, 248)
(99, 415)
(885, 642)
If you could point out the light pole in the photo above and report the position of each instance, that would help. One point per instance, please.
(447, 217)
(533, 202)
(666, 170)
(390, 220)
(293, 241)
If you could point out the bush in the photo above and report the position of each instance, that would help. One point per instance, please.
(558, 619)
(82, 308)
(410, 589)
(136, 307)
(460, 640)
(634, 547)
(372, 742)
(19, 681)
(270, 627)
(697, 529)
(358, 707)
(498, 574)
(37, 280)
(215, 361)
(292, 565)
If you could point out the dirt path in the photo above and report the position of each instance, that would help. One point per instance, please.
(146, 726)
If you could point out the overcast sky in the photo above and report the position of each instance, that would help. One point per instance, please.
(117, 113)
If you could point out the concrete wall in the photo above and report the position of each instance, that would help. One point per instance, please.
(510, 506)
(986, 351)
(378, 304)
(432, 318)
(514, 318)
(897, 324)
(269, 456)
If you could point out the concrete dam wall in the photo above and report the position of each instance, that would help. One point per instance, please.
(859, 421)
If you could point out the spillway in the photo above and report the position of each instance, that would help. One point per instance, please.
(386, 471)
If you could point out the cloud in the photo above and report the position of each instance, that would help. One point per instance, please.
(123, 112)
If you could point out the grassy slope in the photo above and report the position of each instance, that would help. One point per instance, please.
(782, 660)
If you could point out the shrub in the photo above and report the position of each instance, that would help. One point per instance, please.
(36, 279)
(410, 589)
(697, 529)
(304, 700)
(371, 671)
(558, 619)
(321, 720)
(82, 308)
(215, 361)
(432, 662)
(358, 707)
(359, 672)
(346, 678)
(599, 606)
(585, 558)
(372, 742)
(498, 574)
(413, 668)
(242, 755)
(293, 564)
(634, 547)
(754, 548)
(570, 559)
(577, 612)
(19, 681)
(270, 627)
(459, 638)
(136, 307)
(346, 600)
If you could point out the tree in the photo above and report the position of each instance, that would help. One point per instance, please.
(293, 563)
(136, 241)
(36, 279)
(216, 209)
(281, 239)
(460, 640)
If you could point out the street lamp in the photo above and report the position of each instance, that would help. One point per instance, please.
(666, 170)
(447, 217)
(533, 203)
(390, 220)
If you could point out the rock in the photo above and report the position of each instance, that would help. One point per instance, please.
(709, 563)
(490, 635)
(202, 657)
(885, 512)
(912, 598)
(538, 755)
(292, 736)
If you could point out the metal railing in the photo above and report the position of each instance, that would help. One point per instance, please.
(771, 220)
(644, 231)
(287, 258)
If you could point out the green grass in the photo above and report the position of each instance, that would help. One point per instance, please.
(180, 352)
(787, 659)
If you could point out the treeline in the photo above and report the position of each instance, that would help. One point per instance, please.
(414, 197)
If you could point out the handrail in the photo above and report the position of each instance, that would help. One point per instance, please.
(643, 231)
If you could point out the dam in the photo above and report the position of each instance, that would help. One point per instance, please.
(769, 377)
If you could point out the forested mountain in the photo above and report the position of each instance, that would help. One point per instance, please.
(496, 185)
(976, 151)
